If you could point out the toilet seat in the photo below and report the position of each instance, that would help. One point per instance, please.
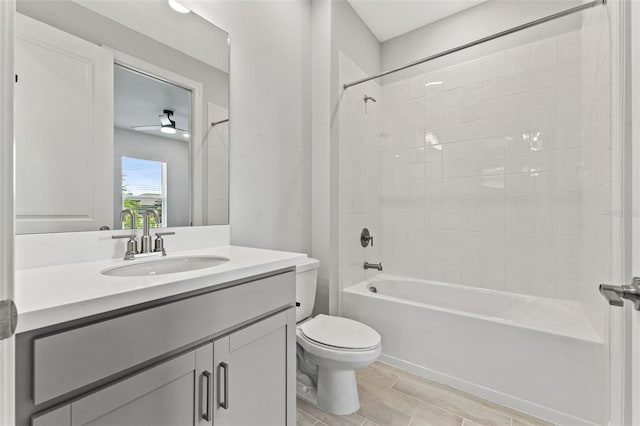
(340, 333)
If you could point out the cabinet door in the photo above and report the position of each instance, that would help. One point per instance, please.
(251, 369)
(63, 131)
(175, 393)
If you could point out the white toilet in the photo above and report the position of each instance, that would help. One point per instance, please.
(329, 350)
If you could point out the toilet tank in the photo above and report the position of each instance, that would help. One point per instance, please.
(306, 282)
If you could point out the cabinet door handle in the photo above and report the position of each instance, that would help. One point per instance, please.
(207, 379)
(224, 404)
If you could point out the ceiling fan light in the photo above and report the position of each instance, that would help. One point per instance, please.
(168, 130)
(178, 7)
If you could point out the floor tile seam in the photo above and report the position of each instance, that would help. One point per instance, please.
(317, 420)
(430, 404)
(470, 398)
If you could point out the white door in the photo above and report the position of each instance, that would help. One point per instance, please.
(7, 364)
(63, 131)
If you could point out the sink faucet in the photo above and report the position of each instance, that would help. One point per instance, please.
(145, 244)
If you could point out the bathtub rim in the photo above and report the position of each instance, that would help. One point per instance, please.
(361, 288)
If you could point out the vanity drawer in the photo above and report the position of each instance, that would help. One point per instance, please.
(79, 357)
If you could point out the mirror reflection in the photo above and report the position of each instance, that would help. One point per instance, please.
(151, 147)
(119, 105)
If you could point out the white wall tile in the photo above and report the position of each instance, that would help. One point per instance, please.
(489, 175)
(493, 66)
(544, 53)
(517, 83)
(544, 77)
(471, 73)
(472, 94)
(518, 60)
(416, 88)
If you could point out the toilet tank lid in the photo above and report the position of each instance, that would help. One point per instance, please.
(308, 264)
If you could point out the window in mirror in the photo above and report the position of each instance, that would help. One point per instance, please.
(144, 186)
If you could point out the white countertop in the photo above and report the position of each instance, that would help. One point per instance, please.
(53, 294)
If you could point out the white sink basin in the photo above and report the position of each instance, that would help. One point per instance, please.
(166, 265)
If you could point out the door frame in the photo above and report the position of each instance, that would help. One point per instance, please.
(7, 354)
(624, 380)
(632, 319)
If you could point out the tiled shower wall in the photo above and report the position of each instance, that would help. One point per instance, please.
(359, 189)
(471, 174)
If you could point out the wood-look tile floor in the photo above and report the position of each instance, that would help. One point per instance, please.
(393, 397)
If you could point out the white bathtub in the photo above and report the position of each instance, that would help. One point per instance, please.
(538, 355)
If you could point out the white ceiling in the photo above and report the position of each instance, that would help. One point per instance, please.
(390, 18)
(139, 100)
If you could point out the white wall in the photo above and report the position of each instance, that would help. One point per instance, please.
(186, 33)
(270, 120)
(321, 143)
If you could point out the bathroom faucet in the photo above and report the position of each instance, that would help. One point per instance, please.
(132, 244)
(377, 266)
(145, 241)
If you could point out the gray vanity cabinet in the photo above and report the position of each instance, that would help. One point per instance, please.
(251, 374)
(222, 357)
(178, 392)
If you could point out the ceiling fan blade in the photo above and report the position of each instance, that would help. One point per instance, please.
(154, 127)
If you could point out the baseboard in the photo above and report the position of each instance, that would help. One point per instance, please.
(518, 404)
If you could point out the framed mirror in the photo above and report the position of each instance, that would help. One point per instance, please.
(119, 105)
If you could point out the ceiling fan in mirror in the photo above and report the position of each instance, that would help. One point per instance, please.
(167, 125)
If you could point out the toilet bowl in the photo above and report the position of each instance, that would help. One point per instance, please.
(329, 350)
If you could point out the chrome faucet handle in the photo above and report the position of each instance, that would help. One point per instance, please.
(159, 244)
(161, 234)
(132, 245)
(366, 238)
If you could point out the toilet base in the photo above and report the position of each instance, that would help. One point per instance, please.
(336, 391)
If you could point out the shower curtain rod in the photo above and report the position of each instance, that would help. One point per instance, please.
(482, 40)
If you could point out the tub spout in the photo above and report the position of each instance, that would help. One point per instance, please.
(377, 266)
